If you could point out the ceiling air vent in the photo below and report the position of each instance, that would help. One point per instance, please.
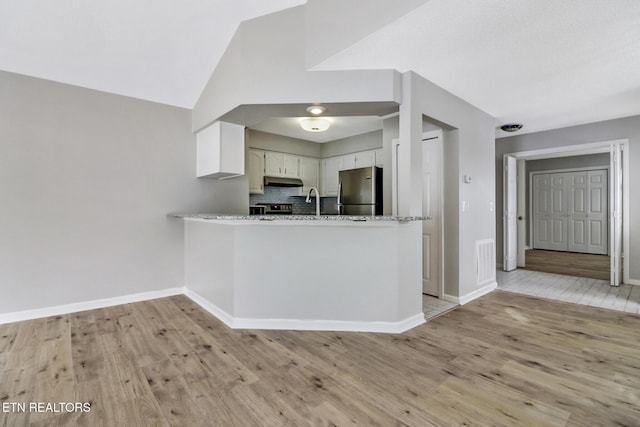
(511, 127)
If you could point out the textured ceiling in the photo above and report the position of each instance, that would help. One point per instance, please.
(158, 50)
(544, 63)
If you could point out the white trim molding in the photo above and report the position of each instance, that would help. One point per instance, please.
(632, 282)
(58, 310)
(472, 295)
(305, 324)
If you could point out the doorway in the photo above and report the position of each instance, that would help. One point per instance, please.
(569, 211)
(618, 218)
(432, 283)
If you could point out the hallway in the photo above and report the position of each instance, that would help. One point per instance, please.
(579, 290)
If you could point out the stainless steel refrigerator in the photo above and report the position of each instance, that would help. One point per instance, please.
(360, 191)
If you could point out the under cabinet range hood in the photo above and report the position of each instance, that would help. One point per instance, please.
(282, 182)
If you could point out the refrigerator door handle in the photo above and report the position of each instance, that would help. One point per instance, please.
(338, 204)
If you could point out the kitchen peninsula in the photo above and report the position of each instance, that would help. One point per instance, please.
(350, 273)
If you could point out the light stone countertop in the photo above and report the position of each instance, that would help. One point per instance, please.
(213, 216)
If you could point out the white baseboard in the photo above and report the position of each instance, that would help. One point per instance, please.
(19, 316)
(499, 266)
(222, 315)
(305, 324)
(633, 282)
(472, 295)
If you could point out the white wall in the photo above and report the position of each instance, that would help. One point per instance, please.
(265, 63)
(468, 144)
(626, 128)
(86, 181)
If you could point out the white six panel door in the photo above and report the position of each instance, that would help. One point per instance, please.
(570, 211)
(431, 199)
(598, 213)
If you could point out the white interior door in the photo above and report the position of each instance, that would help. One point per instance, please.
(510, 226)
(578, 216)
(558, 216)
(597, 212)
(615, 225)
(541, 211)
(521, 211)
(431, 206)
(570, 211)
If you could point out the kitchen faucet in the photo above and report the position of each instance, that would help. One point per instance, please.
(308, 199)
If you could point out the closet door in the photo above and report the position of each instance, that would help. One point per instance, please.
(577, 214)
(570, 212)
(550, 211)
(597, 213)
(541, 211)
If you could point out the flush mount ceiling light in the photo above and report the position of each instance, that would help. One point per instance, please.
(511, 127)
(315, 124)
(316, 109)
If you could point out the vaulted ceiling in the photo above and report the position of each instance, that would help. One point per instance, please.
(544, 63)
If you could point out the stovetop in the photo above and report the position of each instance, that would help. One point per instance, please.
(276, 208)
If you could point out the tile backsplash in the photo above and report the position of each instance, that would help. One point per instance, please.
(274, 194)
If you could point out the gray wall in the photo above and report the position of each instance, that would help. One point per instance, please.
(626, 128)
(586, 161)
(283, 144)
(353, 144)
(468, 148)
(86, 182)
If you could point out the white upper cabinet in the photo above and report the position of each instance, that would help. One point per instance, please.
(281, 165)
(273, 164)
(291, 166)
(349, 161)
(365, 159)
(255, 170)
(379, 159)
(309, 173)
(220, 151)
(330, 169)
(360, 159)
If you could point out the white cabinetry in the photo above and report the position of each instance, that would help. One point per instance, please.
(220, 151)
(330, 169)
(309, 173)
(255, 170)
(349, 161)
(379, 160)
(365, 159)
(281, 165)
(361, 159)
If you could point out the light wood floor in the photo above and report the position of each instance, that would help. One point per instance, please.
(505, 359)
(578, 290)
(569, 263)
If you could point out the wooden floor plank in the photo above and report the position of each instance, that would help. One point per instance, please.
(569, 263)
(504, 359)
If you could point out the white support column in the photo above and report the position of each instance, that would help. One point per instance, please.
(409, 160)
